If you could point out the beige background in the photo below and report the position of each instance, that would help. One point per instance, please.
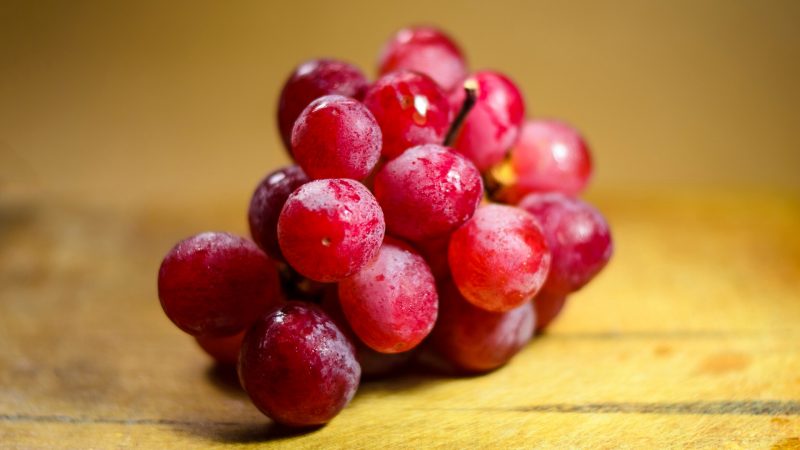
(126, 103)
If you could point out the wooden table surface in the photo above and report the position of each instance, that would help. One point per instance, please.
(689, 338)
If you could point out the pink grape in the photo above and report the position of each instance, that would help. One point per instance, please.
(336, 137)
(493, 124)
(550, 156)
(329, 229)
(427, 192)
(410, 108)
(311, 80)
(499, 258)
(374, 364)
(391, 304)
(426, 50)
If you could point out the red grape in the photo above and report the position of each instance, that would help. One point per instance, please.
(411, 110)
(311, 80)
(427, 192)
(550, 156)
(336, 137)
(425, 50)
(499, 258)
(435, 253)
(297, 366)
(391, 303)
(578, 236)
(373, 364)
(477, 340)
(493, 124)
(329, 229)
(224, 350)
(216, 284)
(547, 306)
(266, 205)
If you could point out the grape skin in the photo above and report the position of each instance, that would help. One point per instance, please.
(548, 306)
(550, 156)
(578, 236)
(311, 80)
(224, 350)
(216, 284)
(499, 259)
(476, 340)
(391, 304)
(410, 108)
(297, 366)
(493, 124)
(329, 229)
(374, 364)
(266, 204)
(427, 192)
(426, 50)
(336, 137)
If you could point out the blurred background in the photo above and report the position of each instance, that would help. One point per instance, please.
(126, 125)
(126, 103)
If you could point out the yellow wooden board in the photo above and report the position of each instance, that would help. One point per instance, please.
(689, 338)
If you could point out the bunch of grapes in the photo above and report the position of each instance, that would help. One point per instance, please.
(423, 214)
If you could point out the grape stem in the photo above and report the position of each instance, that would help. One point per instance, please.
(471, 91)
(497, 178)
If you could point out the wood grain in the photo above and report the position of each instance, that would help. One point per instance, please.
(690, 338)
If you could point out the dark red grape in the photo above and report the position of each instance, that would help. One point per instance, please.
(314, 79)
(297, 366)
(499, 258)
(329, 229)
(425, 50)
(578, 236)
(336, 137)
(493, 124)
(224, 350)
(477, 340)
(547, 306)
(550, 156)
(427, 192)
(266, 204)
(216, 284)
(391, 303)
(411, 110)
